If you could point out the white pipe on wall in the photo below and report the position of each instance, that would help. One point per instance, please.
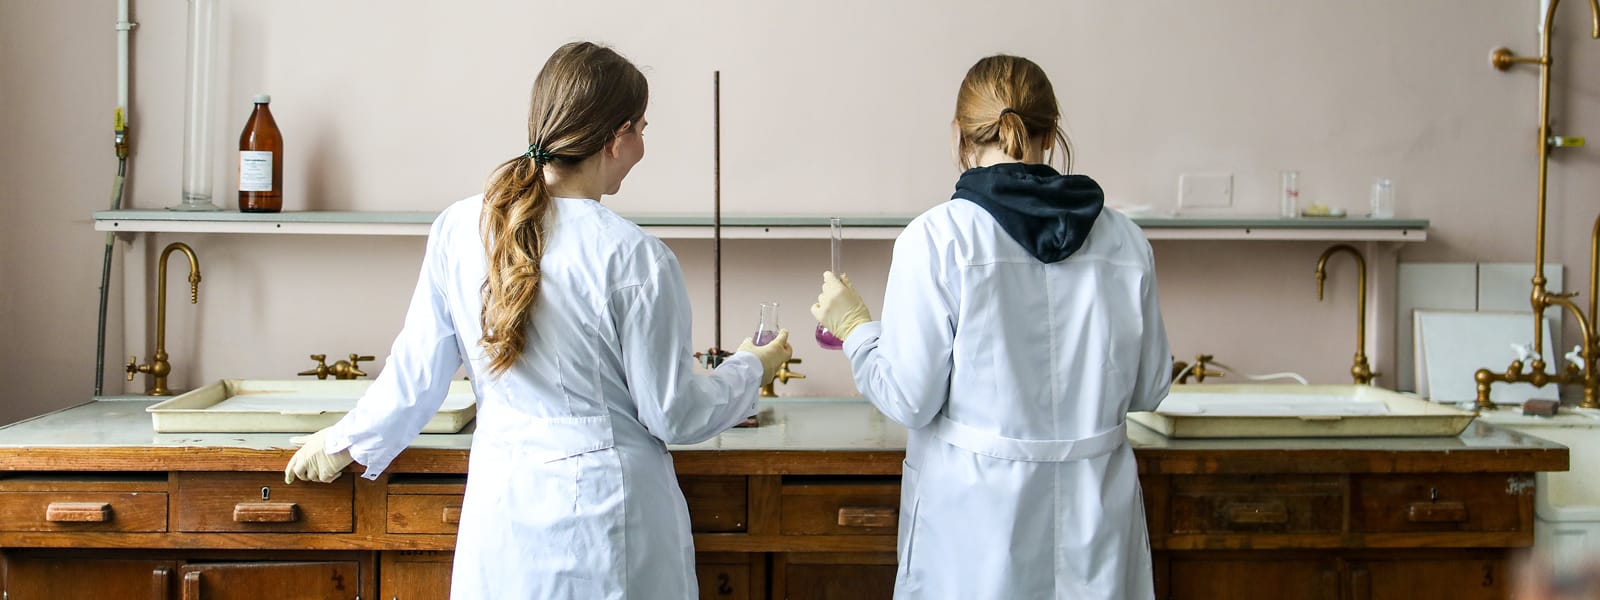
(124, 28)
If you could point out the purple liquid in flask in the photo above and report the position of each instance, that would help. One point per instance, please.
(767, 329)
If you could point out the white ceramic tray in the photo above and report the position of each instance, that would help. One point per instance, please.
(288, 406)
(1261, 411)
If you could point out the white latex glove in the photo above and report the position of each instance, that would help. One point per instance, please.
(772, 355)
(312, 461)
(839, 307)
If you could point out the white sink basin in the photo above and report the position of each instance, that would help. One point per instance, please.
(1276, 410)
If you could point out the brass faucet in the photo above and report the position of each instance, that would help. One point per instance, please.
(1182, 371)
(1541, 298)
(1361, 372)
(342, 369)
(783, 375)
(159, 368)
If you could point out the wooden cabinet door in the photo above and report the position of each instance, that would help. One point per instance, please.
(834, 576)
(1431, 575)
(415, 575)
(731, 575)
(30, 578)
(1252, 575)
(332, 580)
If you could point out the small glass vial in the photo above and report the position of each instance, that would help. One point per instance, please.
(261, 161)
(1289, 202)
(1382, 199)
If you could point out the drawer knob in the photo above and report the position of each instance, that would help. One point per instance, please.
(1436, 512)
(452, 515)
(77, 512)
(1256, 513)
(265, 512)
(868, 516)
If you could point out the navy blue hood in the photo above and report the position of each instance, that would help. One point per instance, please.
(1048, 213)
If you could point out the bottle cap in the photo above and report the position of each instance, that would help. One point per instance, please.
(262, 99)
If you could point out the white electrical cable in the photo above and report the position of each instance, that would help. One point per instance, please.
(1267, 377)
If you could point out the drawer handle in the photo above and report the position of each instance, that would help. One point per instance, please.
(1256, 513)
(1436, 512)
(77, 512)
(452, 515)
(868, 516)
(265, 512)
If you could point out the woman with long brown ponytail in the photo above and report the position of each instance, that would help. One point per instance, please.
(573, 325)
(1020, 325)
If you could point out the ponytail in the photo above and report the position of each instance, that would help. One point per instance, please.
(515, 204)
(1013, 134)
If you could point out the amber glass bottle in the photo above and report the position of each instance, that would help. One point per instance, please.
(261, 161)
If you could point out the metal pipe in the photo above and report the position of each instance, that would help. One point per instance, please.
(1540, 298)
(119, 140)
(1594, 275)
(716, 215)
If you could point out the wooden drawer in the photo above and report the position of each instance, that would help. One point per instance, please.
(717, 504)
(251, 502)
(841, 506)
(1440, 503)
(131, 502)
(424, 513)
(1257, 504)
(83, 511)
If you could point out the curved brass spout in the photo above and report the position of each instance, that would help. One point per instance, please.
(159, 368)
(1360, 371)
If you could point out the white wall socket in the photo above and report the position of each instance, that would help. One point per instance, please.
(1205, 190)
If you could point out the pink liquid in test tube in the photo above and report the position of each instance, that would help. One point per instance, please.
(825, 338)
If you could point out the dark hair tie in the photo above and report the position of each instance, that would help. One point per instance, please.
(539, 155)
(1007, 111)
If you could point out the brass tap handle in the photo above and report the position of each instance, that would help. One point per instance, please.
(1200, 373)
(321, 370)
(349, 369)
(783, 374)
(133, 367)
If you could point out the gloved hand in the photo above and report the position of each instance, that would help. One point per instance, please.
(772, 355)
(839, 307)
(312, 461)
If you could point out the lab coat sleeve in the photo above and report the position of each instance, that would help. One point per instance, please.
(676, 403)
(902, 362)
(415, 378)
(1155, 356)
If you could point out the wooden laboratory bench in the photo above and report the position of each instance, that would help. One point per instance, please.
(95, 504)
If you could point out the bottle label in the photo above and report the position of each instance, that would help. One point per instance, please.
(255, 171)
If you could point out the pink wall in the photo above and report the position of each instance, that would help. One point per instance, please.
(408, 110)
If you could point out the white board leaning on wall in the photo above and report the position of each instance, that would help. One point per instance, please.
(1451, 345)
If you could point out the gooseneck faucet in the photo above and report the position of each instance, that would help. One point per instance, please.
(1541, 298)
(1361, 372)
(159, 368)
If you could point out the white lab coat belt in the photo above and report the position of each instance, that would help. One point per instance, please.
(998, 446)
(549, 439)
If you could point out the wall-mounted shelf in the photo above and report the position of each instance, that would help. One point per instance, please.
(415, 223)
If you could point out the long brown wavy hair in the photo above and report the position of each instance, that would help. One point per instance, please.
(1007, 100)
(584, 95)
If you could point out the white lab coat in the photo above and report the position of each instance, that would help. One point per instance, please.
(571, 492)
(1014, 377)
